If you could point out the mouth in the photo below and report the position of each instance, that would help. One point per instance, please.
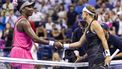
(31, 12)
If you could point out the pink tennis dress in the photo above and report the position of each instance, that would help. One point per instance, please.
(22, 44)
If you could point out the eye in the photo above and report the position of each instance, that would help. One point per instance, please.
(30, 6)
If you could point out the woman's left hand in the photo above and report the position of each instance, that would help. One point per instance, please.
(79, 58)
(107, 61)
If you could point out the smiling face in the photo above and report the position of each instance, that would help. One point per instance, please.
(28, 10)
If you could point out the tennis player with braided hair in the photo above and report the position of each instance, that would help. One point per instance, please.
(95, 37)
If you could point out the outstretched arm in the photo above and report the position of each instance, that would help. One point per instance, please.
(26, 27)
(118, 55)
(76, 44)
(28, 30)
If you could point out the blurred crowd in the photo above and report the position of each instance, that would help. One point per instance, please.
(58, 20)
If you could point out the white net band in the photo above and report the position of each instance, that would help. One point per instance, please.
(52, 63)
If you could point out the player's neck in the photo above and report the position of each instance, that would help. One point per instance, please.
(25, 16)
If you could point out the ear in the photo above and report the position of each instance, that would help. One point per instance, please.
(23, 10)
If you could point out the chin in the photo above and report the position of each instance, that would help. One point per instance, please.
(30, 14)
(83, 18)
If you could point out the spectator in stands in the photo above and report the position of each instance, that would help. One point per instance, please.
(103, 8)
(8, 6)
(48, 25)
(15, 3)
(114, 41)
(55, 15)
(37, 17)
(109, 5)
(80, 5)
(56, 57)
(113, 16)
(71, 16)
(57, 33)
(45, 6)
(118, 6)
(100, 11)
(120, 24)
(1, 27)
(108, 21)
(3, 20)
(99, 2)
(12, 18)
(62, 14)
(38, 5)
(7, 36)
(106, 18)
(41, 31)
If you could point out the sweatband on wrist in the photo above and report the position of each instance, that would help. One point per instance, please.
(51, 43)
(107, 53)
(76, 53)
(66, 46)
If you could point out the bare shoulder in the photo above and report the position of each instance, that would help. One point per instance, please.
(23, 21)
(22, 24)
(96, 24)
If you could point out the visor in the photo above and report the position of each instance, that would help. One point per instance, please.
(27, 3)
(86, 10)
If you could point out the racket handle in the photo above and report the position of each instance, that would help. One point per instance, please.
(114, 54)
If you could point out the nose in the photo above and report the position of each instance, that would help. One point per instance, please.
(31, 9)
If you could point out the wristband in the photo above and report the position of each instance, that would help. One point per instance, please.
(51, 43)
(66, 46)
(76, 53)
(107, 53)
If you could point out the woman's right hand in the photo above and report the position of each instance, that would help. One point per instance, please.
(107, 61)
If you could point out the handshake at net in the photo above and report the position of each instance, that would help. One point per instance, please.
(58, 44)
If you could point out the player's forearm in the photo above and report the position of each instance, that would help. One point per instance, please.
(76, 44)
(118, 55)
(105, 45)
(106, 49)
